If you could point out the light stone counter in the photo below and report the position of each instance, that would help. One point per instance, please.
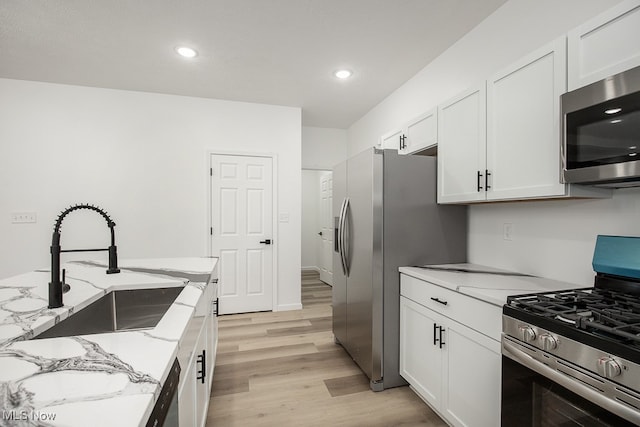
(488, 284)
(102, 379)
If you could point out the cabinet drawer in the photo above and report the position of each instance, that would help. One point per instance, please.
(476, 314)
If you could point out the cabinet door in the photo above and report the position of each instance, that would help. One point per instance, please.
(212, 340)
(605, 45)
(461, 147)
(420, 133)
(201, 380)
(391, 140)
(523, 134)
(420, 358)
(187, 396)
(472, 368)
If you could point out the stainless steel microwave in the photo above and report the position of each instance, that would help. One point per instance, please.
(601, 132)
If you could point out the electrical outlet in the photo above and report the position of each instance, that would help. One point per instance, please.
(507, 231)
(23, 217)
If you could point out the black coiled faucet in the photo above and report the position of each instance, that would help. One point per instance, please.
(58, 286)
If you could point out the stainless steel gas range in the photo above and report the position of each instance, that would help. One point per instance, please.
(573, 357)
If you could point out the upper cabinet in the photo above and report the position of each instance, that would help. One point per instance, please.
(523, 123)
(420, 133)
(462, 147)
(605, 45)
(417, 135)
(507, 148)
(392, 140)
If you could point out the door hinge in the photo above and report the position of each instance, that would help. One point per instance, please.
(210, 171)
(211, 231)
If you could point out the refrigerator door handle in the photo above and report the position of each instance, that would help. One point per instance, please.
(346, 236)
(339, 237)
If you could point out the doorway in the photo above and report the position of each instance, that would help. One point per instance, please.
(242, 231)
(317, 230)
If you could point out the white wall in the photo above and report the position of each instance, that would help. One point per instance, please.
(553, 239)
(311, 243)
(143, 158)
(323, 148)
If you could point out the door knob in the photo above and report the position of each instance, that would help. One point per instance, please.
(266, 241)
(319, 233)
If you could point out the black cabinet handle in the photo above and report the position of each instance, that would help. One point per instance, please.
(486, 180)
(266, 241)
(478, 181)
(403, 138)
(438, 300)
(202, 373)
(216, 304)
(435, 339)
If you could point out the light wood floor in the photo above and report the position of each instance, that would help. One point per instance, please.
(284, 369)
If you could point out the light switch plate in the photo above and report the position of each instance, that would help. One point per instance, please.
(284, 217)
(507, 231)
(23, 217)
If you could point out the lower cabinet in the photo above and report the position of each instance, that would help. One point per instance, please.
(197, 376)
(212, 340)
(454, 368)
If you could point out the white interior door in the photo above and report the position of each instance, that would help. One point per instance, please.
(242, 231)
(326, 203)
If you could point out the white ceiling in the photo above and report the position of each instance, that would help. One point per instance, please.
(280, 52)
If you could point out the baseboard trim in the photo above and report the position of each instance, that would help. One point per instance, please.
(311, 268)
(289, 307)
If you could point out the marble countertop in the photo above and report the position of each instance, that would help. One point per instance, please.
(488, 284)
(101, 379)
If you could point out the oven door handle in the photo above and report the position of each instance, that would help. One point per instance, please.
(510, 350)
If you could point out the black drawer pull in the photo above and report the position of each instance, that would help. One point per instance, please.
(439, 301)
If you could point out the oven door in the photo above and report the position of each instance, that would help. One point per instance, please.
(531, 399)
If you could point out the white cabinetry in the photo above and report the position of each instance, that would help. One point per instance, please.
(605, 45)
(462, 146)
(420, 133)
(523, 126)
(417, 135)
(455, 367)
(198, 347)
(503, 143)
(391, 140)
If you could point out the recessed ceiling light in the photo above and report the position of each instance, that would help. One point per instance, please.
(615, 121)
(186, 52)
(343, 74)
(613, 110)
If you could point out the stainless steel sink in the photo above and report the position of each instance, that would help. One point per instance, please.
(117, 311)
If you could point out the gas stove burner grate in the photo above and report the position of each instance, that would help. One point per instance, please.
(603, 312)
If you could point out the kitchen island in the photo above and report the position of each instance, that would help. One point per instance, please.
(108, 378)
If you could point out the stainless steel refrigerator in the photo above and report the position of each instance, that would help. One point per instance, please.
(385, 216)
